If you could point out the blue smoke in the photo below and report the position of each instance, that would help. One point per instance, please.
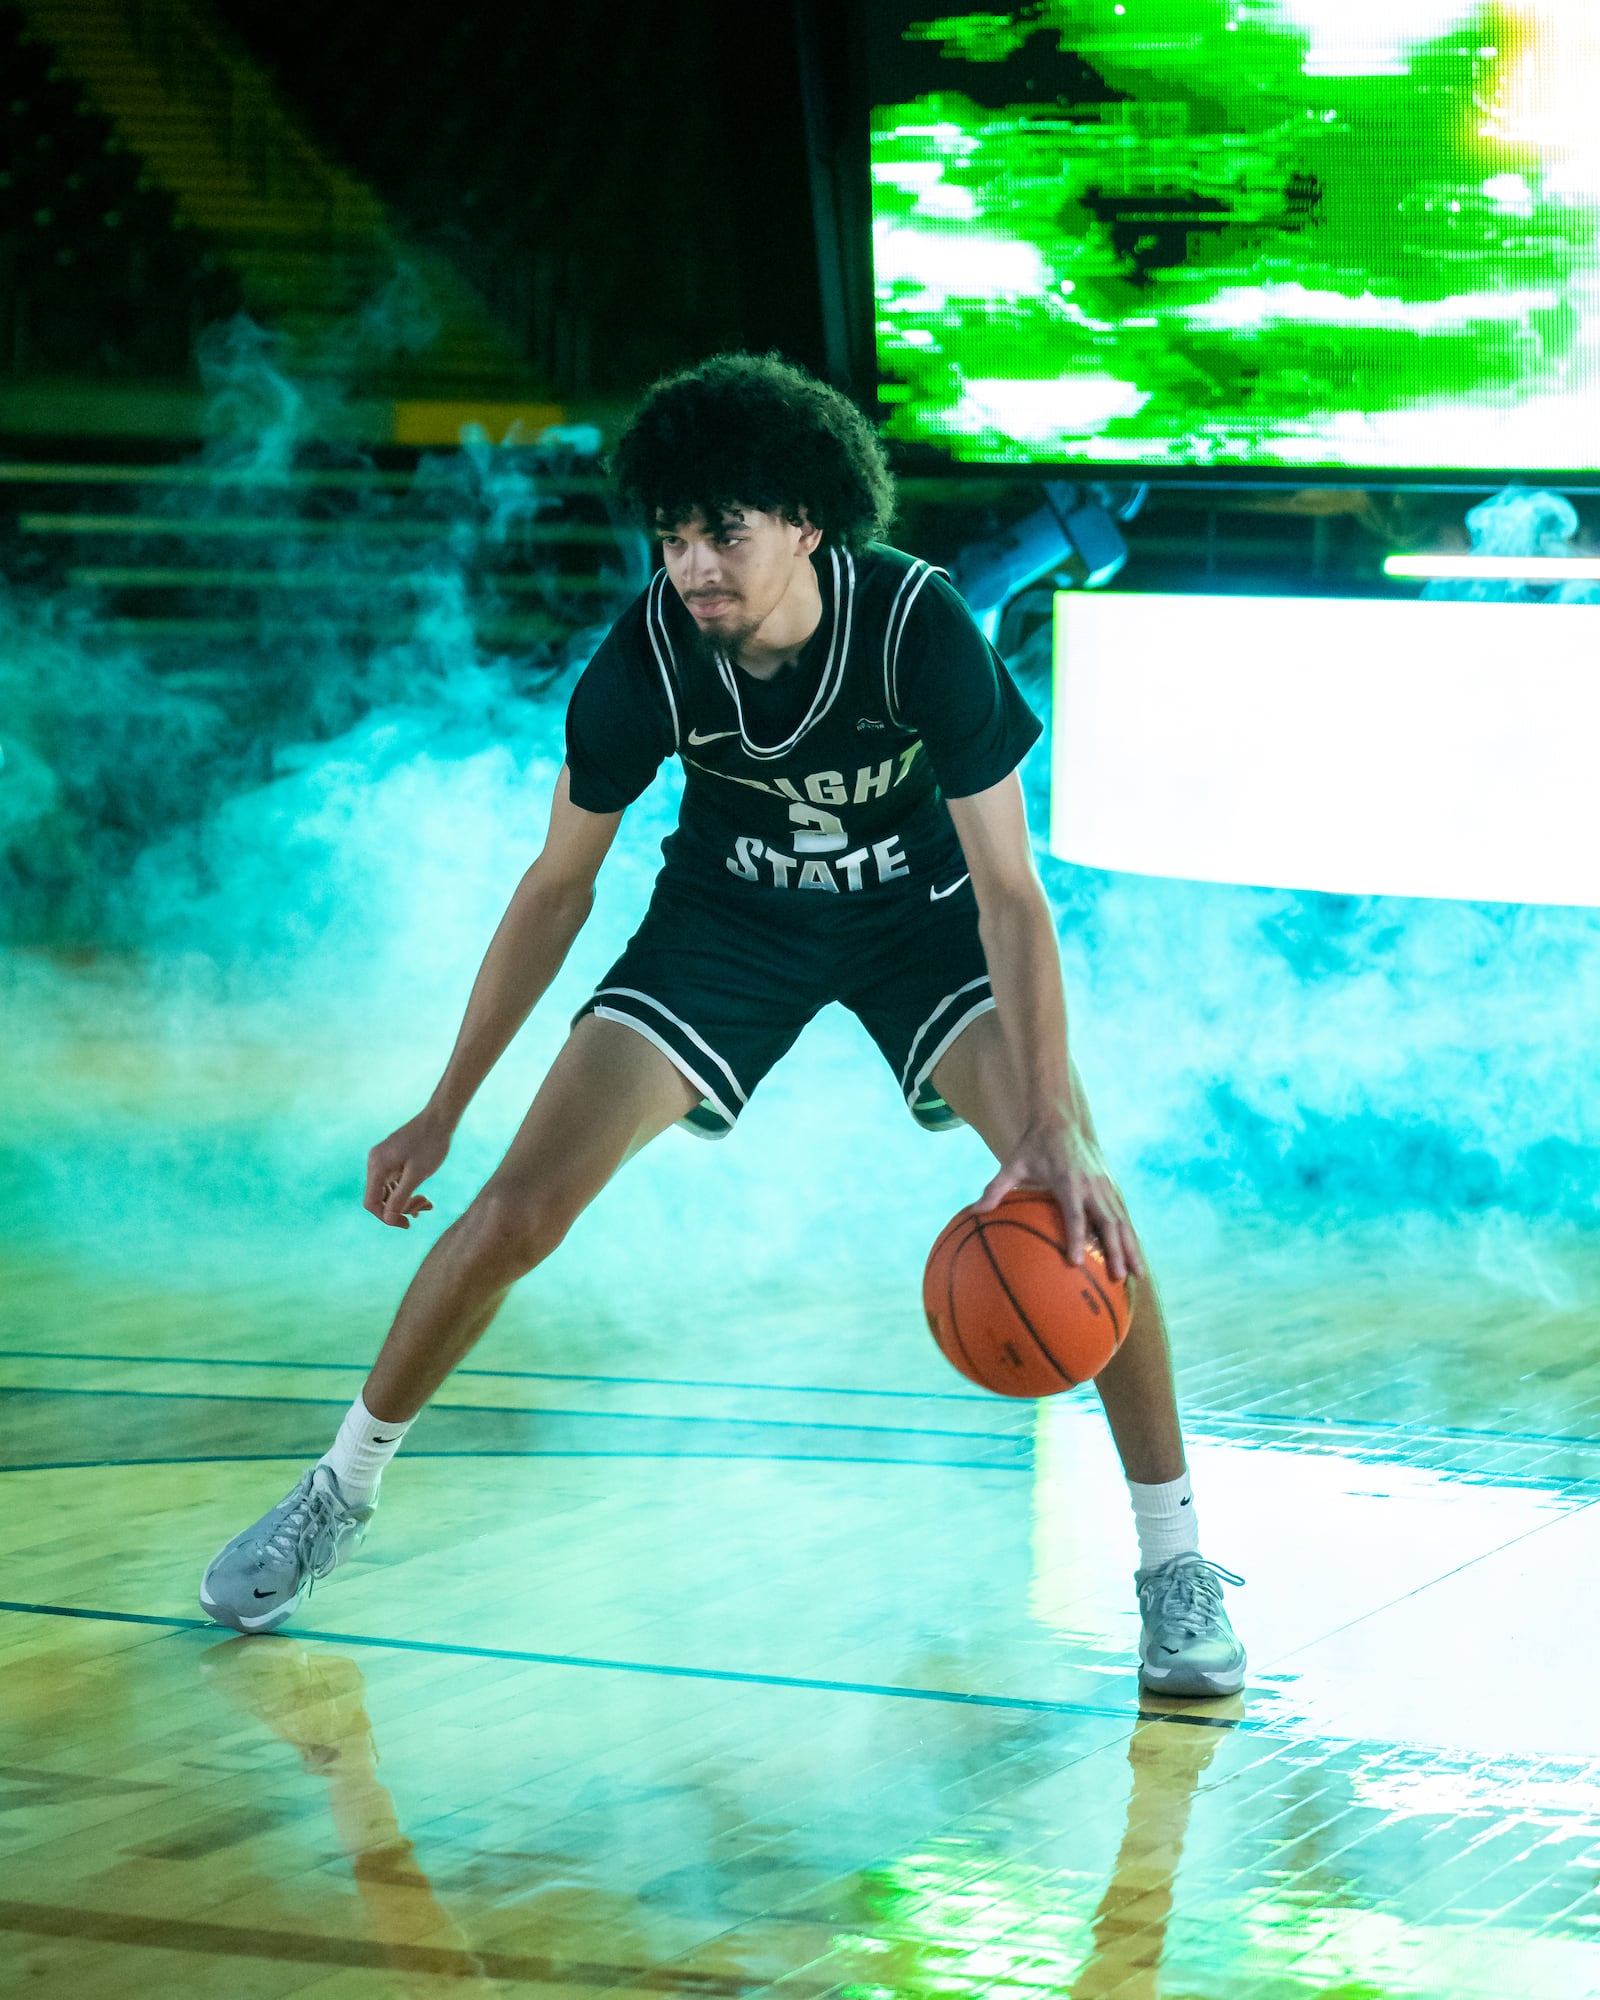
(286, 931)
(1338, 1056)
(1519, 521)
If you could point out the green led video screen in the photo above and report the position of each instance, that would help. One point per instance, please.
(1240, 233)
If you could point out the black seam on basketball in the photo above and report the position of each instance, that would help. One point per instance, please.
(1105, 1298)
(950, 1306)
(1082, 1270)
(994, 1265)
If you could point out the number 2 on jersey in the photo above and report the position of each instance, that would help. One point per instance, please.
(822, 832)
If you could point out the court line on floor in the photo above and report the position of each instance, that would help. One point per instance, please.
(1544, 1527)
(510, 1375)
(1193, 1415)
(531, 1410)
(654, 1669)
(1024, 1466)
(1385, 1427)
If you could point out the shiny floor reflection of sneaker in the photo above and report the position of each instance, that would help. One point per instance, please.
(311, 1699)
(1186, 1645)
(314, 1701)
(1130, 1926)
(260, 1579)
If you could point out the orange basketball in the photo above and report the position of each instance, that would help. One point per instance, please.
(1010, 1311)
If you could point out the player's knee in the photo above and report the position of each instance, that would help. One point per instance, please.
(512, 1228)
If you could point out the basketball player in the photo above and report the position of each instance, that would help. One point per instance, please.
(852, 829)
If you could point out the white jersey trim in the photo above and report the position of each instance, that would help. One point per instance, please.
(833, 671)
(655, 623)
(894, 631)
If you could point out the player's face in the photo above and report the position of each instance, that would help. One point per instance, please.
(734, 575)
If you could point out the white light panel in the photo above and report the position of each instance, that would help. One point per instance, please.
(1497, 569)
(1352, 745)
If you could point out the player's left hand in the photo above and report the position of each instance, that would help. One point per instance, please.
(1061, 1157)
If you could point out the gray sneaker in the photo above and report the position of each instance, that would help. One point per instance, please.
(1187, 1645)
(261, 1577)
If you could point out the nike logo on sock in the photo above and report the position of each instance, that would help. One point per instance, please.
(1182, 1503)
(266, 1593)
(391, 1441)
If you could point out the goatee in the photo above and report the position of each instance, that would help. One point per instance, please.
(723, 641)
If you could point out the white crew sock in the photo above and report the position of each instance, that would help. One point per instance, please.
(1165, 1518)
(365, 1446)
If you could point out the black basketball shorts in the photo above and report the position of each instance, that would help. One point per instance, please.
(722, 981)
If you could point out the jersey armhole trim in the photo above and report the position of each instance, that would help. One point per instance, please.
(661, 644)
(894, 631)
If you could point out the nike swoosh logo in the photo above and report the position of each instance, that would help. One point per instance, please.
(938, 895)
(266, 1593)
(696, 737)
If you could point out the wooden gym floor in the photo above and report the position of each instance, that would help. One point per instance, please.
(713, 1639)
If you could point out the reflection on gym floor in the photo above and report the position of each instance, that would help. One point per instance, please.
(856, 1714)
(737, 1644)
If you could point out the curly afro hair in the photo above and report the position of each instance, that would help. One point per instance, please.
(754, 430)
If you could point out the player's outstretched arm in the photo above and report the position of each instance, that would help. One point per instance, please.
(1058, 1148)
(547, 910)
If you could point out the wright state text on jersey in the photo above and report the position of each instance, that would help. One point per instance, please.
(830, 776)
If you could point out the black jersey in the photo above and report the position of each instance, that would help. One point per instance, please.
(833, 774)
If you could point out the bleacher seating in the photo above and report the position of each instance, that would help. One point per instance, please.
(217, 570)
(311, 246)
(601, 237)
(98, 274)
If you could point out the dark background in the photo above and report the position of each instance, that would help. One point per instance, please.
(631, 187)
(627, 183)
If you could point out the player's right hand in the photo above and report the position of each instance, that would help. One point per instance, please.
(398, 1165)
